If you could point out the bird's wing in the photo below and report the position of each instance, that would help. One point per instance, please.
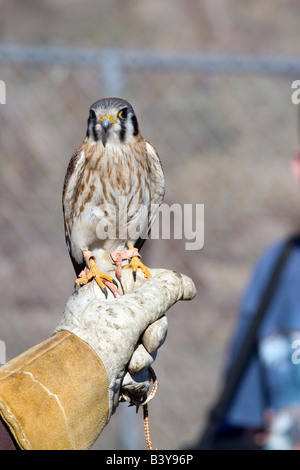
(72, 182)
(157, 179)
(157, 186)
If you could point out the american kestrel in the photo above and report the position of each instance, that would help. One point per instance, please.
(113, 182)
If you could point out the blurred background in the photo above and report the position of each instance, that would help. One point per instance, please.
(210, 82)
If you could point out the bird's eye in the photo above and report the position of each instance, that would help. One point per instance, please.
(123, 113)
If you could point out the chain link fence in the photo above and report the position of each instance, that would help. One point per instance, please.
(225, 129)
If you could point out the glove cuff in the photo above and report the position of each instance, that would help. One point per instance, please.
(55, 395)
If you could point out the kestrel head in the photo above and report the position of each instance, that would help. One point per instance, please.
(112, 120)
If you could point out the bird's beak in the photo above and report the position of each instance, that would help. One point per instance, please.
(106, 122)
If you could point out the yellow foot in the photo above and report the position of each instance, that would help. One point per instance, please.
(135, 263)
(102, 279)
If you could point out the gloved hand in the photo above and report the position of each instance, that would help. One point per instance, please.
(61, 393)
(126, 331)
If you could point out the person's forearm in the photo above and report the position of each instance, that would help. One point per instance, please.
(55, 395)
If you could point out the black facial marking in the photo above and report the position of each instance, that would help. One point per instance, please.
(95, 134)
(135, 125)
(92, 114)
(89, 125)
(92, 121)
(122, 131)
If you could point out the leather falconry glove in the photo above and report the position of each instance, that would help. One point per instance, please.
(61, 393)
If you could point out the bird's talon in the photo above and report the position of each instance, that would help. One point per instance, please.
(102, 279)
(136, 264)
(131, 254)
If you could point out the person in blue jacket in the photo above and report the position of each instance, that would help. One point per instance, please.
(267, 401)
